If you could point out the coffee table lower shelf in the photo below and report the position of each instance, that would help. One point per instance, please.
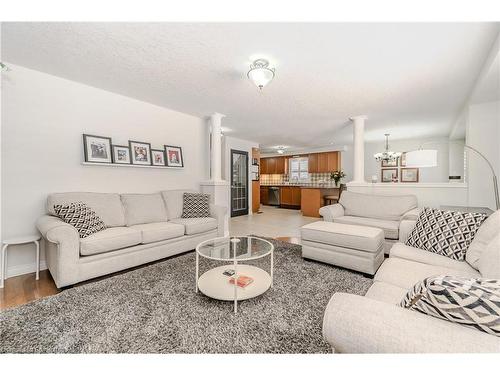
(215, 285)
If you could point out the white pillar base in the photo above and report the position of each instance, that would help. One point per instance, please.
(219, 195)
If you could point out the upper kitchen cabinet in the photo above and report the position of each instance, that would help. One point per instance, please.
(313, 163)
(271, 165)
(333, 161)
(280, 165)
(263, 166)
(275, 165)
(324, 162)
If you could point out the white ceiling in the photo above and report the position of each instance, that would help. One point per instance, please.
(410, 79)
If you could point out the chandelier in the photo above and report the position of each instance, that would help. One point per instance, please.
(387, 155)
(260, 73)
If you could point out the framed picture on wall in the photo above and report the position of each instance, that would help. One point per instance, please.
(174, 156)
(409, 174)
(158, 157)
(402, 161)
(389, 163)
(97, 149)
(121, 154)
(140, 152)
(389, 175)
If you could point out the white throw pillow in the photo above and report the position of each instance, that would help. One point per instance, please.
(489, 263)
(144, 208)
(488, 230)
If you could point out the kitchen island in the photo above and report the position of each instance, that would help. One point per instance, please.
(309, 198)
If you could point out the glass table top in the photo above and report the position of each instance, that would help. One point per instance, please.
(247, 248)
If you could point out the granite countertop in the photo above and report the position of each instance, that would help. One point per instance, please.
(304, 185)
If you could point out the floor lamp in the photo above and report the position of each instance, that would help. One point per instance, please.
(428, 158)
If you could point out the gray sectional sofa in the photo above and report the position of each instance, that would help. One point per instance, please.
(141, 228)
(389, 213)
(376, 323)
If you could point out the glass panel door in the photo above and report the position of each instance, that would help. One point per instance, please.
(239, 183)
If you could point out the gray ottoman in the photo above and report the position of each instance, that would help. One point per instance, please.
(355, 247)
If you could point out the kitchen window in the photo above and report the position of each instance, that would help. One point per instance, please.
(299, 169)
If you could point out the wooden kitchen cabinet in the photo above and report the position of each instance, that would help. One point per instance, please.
(271, 165)
(280, 165)
(290, 196)
(287, 164)
(263, 166)
(313, 163)
(286, 196)
(333, 161)
(264, 195)
(323, 162)
(296, 196)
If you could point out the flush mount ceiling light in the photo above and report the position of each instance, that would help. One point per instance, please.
(387, 155)
(260, 73)
(280, 150)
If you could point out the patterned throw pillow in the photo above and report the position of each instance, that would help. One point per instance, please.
(447, 233)
(474, 303)
(81, 216)
(196, 205)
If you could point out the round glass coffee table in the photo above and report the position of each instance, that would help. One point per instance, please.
(216, 282)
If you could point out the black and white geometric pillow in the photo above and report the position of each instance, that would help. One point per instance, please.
(195, 205)
(81, 216)
(447, 233)
(471, 302)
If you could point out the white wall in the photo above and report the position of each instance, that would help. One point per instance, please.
(372, 167)
(483, 133)
(456, 159)
(482, 113)
(43, 119)
(231, 143)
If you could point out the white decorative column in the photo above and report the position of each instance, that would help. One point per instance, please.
(359, 148)
(216, 154)
(216, 186)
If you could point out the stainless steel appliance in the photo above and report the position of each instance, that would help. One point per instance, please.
(274, 196)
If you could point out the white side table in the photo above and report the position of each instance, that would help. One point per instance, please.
(19, 241)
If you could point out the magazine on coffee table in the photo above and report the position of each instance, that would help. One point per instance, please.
(243, 281)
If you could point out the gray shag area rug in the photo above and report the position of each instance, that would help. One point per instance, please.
(155, 309)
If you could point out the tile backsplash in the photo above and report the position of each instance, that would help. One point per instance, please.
(269, 179)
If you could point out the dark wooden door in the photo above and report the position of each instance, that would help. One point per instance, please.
(239, 183)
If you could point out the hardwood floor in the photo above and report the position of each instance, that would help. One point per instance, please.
(294, 240)
(19, 290)
(22, 289)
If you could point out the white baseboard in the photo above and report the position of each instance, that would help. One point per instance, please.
(23, 269)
